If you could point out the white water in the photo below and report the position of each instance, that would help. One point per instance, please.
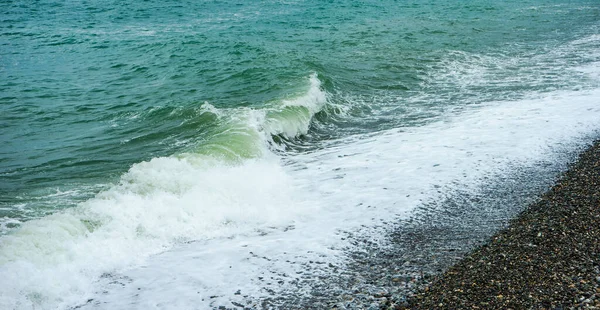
(130, 240)
(360, 181)
(233, 185)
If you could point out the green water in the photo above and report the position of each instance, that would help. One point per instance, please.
(88, 88)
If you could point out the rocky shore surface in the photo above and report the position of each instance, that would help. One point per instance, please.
(547, 258)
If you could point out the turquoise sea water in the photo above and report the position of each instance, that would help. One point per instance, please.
(92, 93)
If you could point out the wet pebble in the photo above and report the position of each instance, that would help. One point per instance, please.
(547, 258)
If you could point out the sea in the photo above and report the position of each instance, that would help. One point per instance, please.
(190, 154)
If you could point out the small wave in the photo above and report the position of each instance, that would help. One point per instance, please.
(294, 116)
(229, 184)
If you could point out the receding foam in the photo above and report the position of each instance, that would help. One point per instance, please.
(356, 183)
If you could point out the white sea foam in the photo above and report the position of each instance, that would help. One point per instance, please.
(359, 182)
(257, 218)
(158, 203)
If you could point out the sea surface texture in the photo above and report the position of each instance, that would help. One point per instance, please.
(191, 154)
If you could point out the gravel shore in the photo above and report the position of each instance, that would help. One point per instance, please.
(547, 258)
(521, 240)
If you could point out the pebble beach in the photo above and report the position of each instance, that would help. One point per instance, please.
(547, 258)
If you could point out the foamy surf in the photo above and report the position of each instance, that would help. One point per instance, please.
(228, 185)
(228, 222)
(360, 182)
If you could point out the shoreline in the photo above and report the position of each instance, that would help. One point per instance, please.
(548, 257)
(388, 266)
